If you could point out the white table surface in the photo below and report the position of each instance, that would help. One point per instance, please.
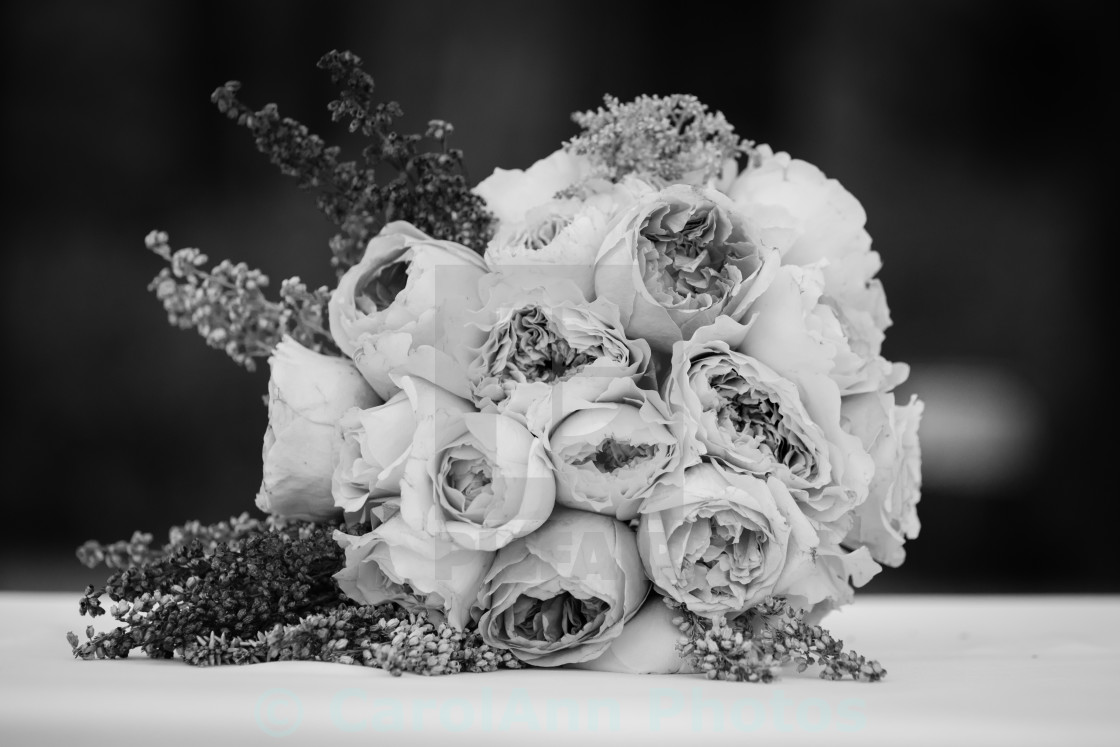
(963, 670)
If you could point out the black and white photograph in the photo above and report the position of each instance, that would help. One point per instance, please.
(504, 373)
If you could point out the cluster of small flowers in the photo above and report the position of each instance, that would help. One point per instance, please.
(658, 138)
(382, 637)
(228, 306)
(138, 550)
(166, 613)
(233, 579)
(755, 646)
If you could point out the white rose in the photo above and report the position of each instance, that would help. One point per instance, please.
(376, 441)
(741, 412)
(814, 221)
(561, 594)
(539, 336)
(396, 563)
(678, 260)
(829, 585)
(409, 290)
(478, 479)
(307, 395)
(647, 644)
(511, 193)
(784, 331)
(561, 237)
(725, 542)
(610, 443)
(889, 516)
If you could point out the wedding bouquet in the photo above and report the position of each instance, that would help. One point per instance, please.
(624, 409)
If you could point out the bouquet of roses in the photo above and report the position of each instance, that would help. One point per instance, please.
(624, 409)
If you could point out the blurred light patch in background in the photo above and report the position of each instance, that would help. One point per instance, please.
(981, 428)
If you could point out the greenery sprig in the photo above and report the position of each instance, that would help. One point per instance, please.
(755, 646)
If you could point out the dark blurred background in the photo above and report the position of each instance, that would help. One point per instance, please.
(979, 136)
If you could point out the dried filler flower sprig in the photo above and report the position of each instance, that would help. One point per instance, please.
(759, 643)
(425, 185)
(663, 139)
(228, 307)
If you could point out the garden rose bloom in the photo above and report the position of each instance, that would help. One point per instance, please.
(726, 542)
(889, 516)
(784, 331)
(478, 479)
(679, 259)
(307, 395)
(396, 563)
(561, 237)
(375, 442)
(743, 413)
(814, 221)
(409, 290)
(537, 337)
(511, 193)
(561, 594)
(610, 443)
(817, 218)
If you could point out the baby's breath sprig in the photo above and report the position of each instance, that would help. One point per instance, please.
(757, 645)
(663, 139)
(427, 188)
(228, 306)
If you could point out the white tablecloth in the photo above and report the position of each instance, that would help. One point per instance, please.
(962, 671)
